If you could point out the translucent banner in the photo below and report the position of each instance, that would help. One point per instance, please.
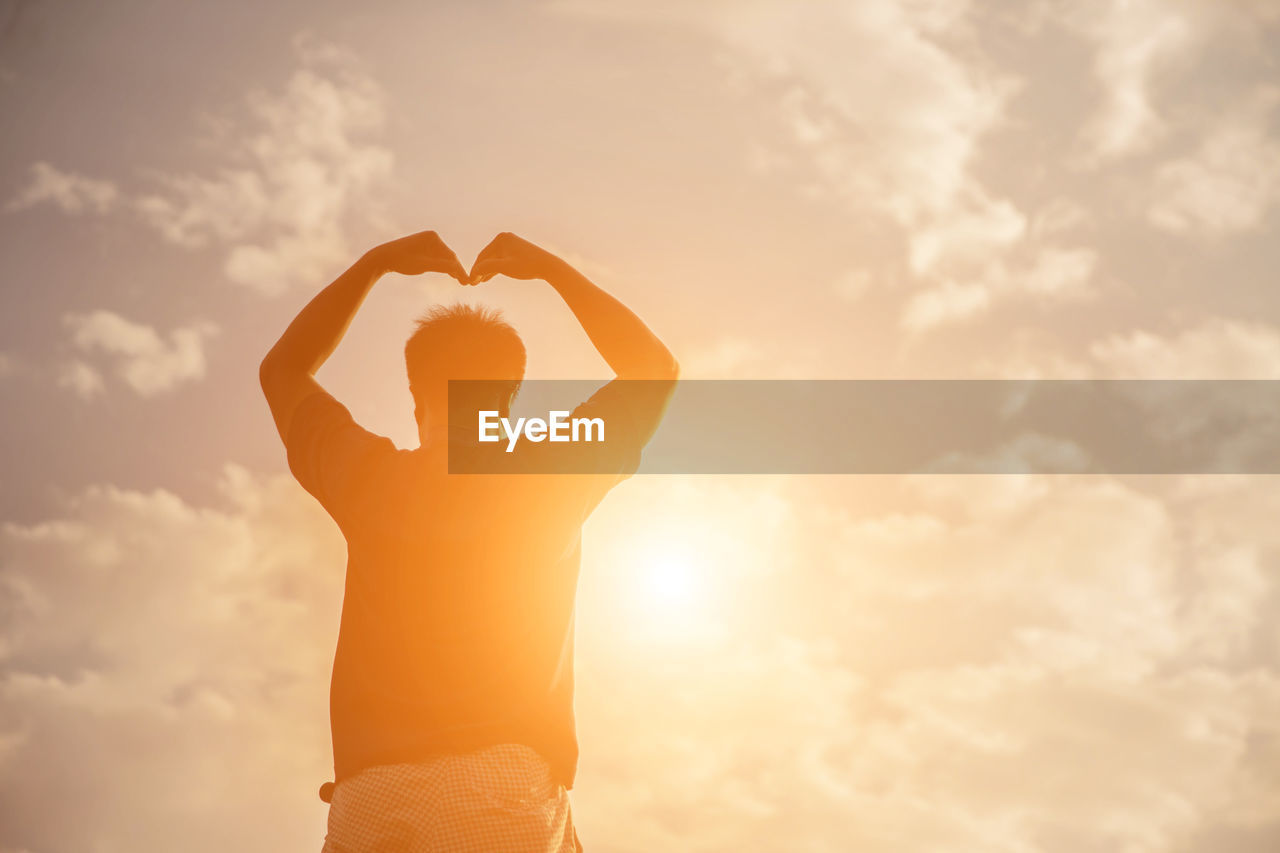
(870, 427)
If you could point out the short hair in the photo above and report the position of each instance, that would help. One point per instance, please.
(463, 342)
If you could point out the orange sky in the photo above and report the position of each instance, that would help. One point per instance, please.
(882, 189)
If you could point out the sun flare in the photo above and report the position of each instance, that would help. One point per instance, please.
(671, 579)
(667, 589)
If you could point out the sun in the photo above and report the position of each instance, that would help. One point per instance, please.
(670, 578)
(667, 590)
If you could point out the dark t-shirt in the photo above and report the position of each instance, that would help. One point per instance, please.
(458, 614)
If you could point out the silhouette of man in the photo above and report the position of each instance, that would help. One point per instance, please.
(451, 702)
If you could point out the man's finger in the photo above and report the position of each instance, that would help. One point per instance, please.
(454, 267)
(485, 269)
(495, 249)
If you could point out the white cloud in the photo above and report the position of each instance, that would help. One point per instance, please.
(1021, 664)
(964, 241)
(1032, 663)
(1131, 40)
(71, 192)
(884, 113)
(887, 104)
(1212, 349)
(139, 355)
(192, 210)
(156, 654)
(1084, 593)
(977, 262)
(1011, 664)
(1230, 183)
(1060, 272)
(1030, 269)
(945, 303)
(293, 169)
(82, 379)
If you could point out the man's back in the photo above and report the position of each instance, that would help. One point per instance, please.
(457, 621)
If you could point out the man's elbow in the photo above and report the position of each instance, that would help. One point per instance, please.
(666, 367)
(270, 373)
(266, 372)
(670, 370)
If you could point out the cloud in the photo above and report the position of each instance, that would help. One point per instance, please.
(293, 168)
(1214, 348)
(945, 303)
(884, 664)
(987, 252)
(1030, 663)
(1209, 348)
(883, 112)
(83, 379)
(1171, 750)
(885, 106)
(994, 663)
(1131, 41)
(154, 656)
(1230, 183)
(70, 192)
(1042, 273)
(1057, 272)
(975, 229)
(1029, 643)
(139, 355)
(887, 116)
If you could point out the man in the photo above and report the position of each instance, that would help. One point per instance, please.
(451, 702)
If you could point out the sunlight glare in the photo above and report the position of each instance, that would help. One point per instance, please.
(668, 596)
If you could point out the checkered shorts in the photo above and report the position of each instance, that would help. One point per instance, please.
(501, 799)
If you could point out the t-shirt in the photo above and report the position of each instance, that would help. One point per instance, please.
(457, 625)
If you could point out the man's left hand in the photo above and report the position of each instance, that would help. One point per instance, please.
(417, 254)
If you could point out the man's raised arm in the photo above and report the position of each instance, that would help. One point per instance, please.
(288, 371)
(621, 338)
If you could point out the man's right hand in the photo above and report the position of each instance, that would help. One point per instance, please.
(417, 254)
(621, 338)
(514, 257)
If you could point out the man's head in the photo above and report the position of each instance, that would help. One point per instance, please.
(462, 342)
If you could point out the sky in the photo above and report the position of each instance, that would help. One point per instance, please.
(876, 189)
